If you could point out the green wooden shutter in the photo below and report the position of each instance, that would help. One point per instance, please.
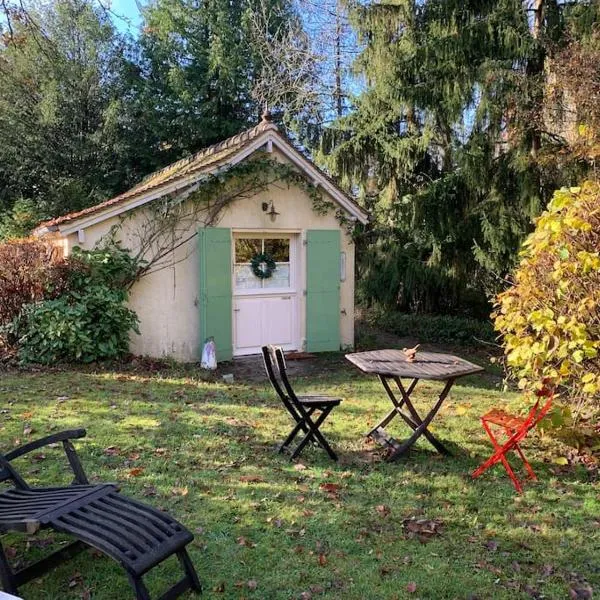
(322, 290)
(215, 289)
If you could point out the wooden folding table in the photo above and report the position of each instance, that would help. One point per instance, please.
(393, 366)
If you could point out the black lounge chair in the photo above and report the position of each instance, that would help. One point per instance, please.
(136, 535)
(301, 408)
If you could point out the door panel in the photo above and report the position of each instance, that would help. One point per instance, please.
(323, 290)
(248, 323)
(278, 322)
(215, 288)
(264, 320)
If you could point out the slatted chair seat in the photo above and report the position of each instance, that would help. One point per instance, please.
(319, 400)
(136, 535)
(504, 419)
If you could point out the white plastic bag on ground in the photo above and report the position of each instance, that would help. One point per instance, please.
(209, 355)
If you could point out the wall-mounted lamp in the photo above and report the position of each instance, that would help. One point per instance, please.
(270, 210)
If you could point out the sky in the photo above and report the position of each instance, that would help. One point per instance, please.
(126, 15)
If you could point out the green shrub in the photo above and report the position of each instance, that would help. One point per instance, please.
(550, 318)
(108, 265)
(432, 328)
(90, 320)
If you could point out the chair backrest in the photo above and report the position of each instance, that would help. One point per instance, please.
(270, 362)
(536, 414)
(283, 375)
(541, 413)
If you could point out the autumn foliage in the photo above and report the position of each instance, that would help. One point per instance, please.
(550, 317)
(30, 271)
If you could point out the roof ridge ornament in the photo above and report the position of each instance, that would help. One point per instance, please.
(267, 116)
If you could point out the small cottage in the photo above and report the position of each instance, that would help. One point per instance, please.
(248, 260)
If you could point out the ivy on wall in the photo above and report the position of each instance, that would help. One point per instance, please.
(171, 222)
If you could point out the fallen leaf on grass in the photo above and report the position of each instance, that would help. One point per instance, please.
(251, 479)
(135, 472)
(219, 588)
(411, 587)
(300, 467)
(322, 560)
(547, 570)
(383, 510)
(242, 541)
(179, 491)
(580, 592)
(75, 580)
(112, 451)
(252, 584)
(423, 529)
(149, 490)
(331, 489)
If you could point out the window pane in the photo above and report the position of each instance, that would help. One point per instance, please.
(279, 249)
(246, 248)
(280, 277)
(245, 279)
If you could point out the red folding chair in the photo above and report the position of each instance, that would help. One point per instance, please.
(515, 428)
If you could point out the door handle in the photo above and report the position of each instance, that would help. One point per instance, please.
(286, 297)
(236, 310)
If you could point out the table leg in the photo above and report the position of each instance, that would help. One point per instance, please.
(417, 419)
(422, 427)
(397, 405)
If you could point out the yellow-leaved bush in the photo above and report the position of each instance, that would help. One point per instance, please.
(550, 318)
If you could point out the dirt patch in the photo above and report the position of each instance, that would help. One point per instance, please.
(250, 368)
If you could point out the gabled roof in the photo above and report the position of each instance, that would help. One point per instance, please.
(185, 172)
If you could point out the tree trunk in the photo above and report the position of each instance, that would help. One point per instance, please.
(338, 61)
(535, 68)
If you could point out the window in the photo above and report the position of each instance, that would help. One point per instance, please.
(247, 248)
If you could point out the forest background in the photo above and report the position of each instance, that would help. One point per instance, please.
(452, 122)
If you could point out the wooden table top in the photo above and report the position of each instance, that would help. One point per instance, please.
(426, 365)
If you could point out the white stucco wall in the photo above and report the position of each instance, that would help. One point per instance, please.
(166, 301)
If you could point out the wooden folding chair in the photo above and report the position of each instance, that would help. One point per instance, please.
(301, 408)
(515, 428)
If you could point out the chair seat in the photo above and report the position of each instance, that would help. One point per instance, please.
(504, 419)
(316, 400)
(136, 535)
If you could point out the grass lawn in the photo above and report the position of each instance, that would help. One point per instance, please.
(266, 528)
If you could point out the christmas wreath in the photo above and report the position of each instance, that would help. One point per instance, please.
(263, 265)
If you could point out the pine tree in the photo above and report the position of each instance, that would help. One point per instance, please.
(198, 68)
(445, 142)
(59, 111)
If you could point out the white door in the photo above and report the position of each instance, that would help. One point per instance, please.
(265, 310)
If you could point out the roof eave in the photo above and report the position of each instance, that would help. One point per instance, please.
(270, 134)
